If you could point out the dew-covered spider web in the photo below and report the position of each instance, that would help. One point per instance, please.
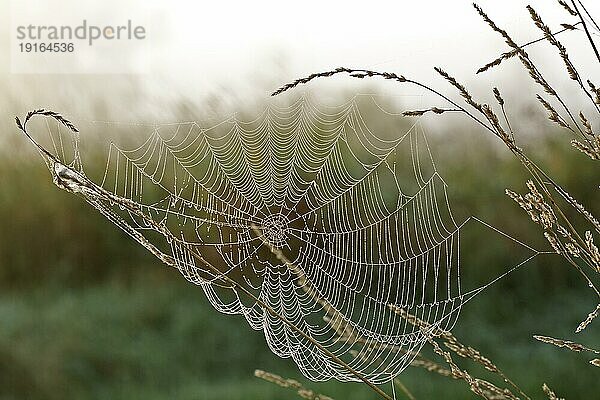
(311, 216)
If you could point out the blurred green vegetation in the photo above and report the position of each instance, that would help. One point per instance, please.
(86, 313)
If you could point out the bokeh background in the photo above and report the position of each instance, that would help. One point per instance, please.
(86, 313)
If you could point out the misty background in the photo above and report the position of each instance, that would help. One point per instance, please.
(85, 313)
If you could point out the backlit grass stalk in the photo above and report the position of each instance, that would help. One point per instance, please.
(573, 246)
(479, 386)
(541, 203)
(292, 384)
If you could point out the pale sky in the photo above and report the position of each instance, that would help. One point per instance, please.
(233, 42)
(246, 49)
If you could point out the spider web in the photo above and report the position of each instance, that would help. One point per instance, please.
(325, 220)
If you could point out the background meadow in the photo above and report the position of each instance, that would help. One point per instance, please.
(86, 313)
